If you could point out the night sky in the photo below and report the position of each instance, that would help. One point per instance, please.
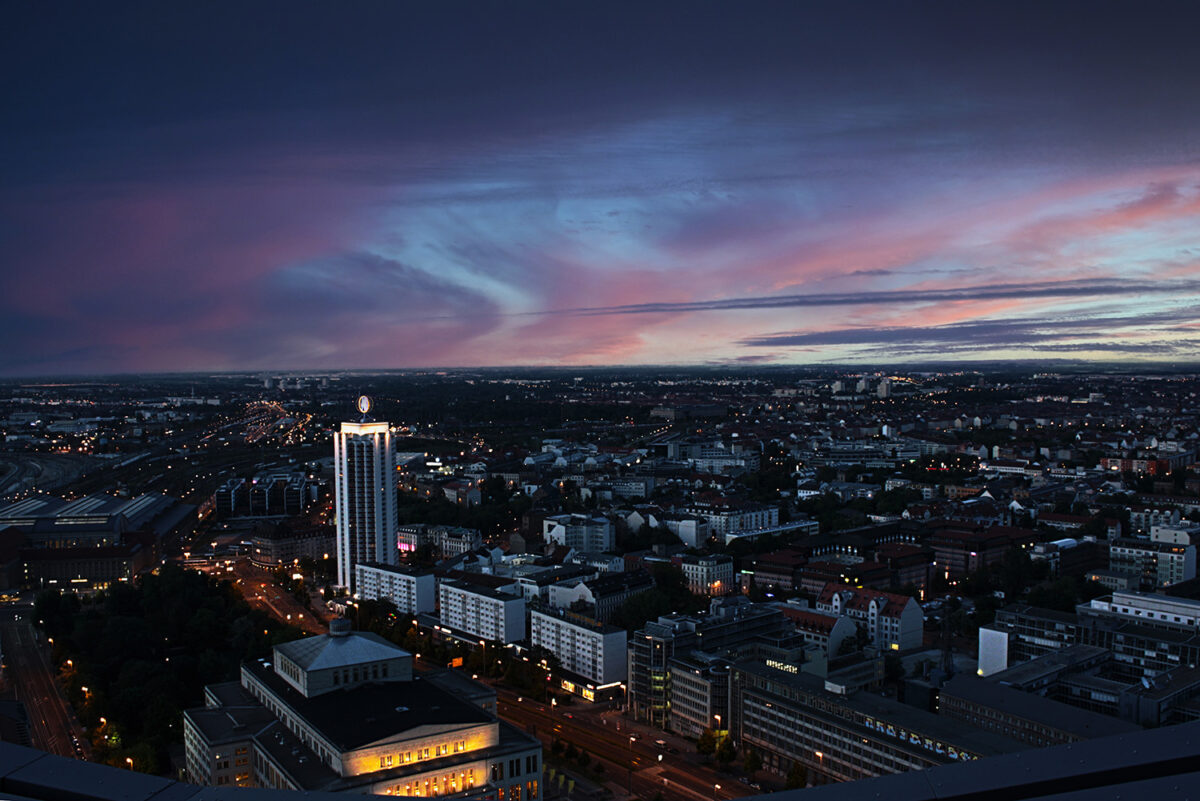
(270, 186)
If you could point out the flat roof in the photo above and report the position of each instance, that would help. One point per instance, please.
(357, 716)
(954, 732)
(1055, 714)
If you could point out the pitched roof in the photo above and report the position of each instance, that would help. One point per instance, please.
(859, 600)
(327, 651)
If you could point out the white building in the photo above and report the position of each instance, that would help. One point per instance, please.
(343, 712)
(709, 575)
(364, 493)
(692, 530)
(724, 517)
(1156, 564)
(590, 650)
(482, 612)
(581, 532)
(892, 621)
(1150, 608)
(412, 591)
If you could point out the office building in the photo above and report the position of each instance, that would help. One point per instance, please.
(789, 716)
(730, 624)
(364, 495)
(699, 693)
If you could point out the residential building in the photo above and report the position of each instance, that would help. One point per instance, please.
(709, 575)
(581, 532)
(823, 629)
(412, 591)
(591, 652)
(445, 541)
(603, 594)
(892, 621)
(481, 612)
(1156, 564)
(725, 516)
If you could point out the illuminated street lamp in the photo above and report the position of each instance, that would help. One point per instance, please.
(715, 788)
(631, 739)
(129, 762)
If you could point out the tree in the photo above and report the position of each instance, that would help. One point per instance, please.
(707, 743)
(797, 777)
(752, 763)
(726, 751)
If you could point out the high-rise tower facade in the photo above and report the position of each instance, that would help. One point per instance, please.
(364, 494)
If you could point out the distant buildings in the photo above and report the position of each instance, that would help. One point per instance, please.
(445, 541)
(581, 532)
(88, 543)
(364, 495)
(273, 545)
(709, 575)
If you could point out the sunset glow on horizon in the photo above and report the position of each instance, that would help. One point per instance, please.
(486, 184)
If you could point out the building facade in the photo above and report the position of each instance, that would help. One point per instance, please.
(709, 575)
(364, 496)
(593, 652)
(892, 621)
(481, 612)
(344, 712)
(412, 591)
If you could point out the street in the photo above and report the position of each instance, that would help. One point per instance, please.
(261, 592)
(28, 671)
(650, 767)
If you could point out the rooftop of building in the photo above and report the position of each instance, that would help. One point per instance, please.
(330, 650)
(1047, 665)
(1077, 722)
(482, 590)
(1155, 763)
(859, 599)
(889, 710)
(357, 716)
(400, 570)
(576, 619)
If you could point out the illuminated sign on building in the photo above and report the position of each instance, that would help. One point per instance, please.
(913, 738)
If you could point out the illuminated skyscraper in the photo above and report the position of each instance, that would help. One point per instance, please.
(364, 494)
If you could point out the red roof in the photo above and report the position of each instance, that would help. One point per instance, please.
(809, 620)
(860, 599)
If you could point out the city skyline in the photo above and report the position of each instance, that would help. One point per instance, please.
(296, 186)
